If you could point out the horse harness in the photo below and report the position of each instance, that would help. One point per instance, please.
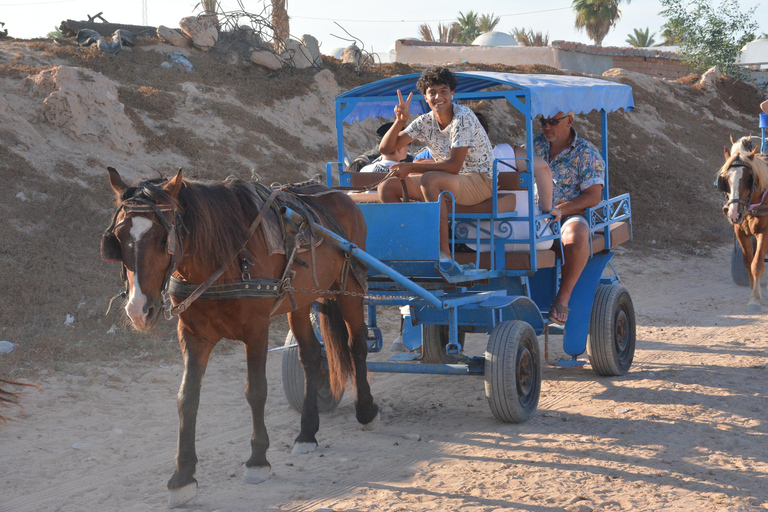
(247, 287)
(757, 209)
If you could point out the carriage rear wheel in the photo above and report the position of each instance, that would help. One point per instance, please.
(434, 340)
(513, 372)
(738, 270)
(611, 343)
(293, 380)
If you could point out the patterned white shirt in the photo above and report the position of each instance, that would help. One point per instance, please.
(464, 131)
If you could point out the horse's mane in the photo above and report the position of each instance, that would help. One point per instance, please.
(759, 166)
(215, 215)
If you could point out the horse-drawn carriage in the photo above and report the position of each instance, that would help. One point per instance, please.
(503, 286)
(206, 252)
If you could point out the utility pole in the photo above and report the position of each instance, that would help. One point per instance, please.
(144, 13)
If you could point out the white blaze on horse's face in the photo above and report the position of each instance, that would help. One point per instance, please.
(734, 178)
(137, 301)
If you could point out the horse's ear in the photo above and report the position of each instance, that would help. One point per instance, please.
(732, 141)
(752, 153)
(726, 152)
(174, 185)
(117, 183)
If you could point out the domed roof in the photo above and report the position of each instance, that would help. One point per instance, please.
(335, 53)
(495, 38)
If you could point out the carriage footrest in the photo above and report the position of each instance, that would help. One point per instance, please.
(405, 356)
(569, 363)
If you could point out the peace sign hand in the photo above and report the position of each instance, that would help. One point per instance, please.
(402, 111)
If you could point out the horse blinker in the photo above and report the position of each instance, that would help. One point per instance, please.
(110, 248)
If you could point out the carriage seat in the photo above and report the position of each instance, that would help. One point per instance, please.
(620, 233)
(508, 181)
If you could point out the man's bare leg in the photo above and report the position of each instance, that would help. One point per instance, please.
(432, 185)
(391, 190)
(575, 239)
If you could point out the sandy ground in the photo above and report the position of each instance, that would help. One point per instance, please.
(684, 430)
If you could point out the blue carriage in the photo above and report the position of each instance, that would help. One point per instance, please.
(512, 275)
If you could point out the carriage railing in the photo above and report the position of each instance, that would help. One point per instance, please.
(602, 216)
(498, 233)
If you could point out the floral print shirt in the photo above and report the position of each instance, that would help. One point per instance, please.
(463, 131)
(574, 169)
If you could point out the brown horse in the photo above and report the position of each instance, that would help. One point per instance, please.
(187, 232)
(744, 180)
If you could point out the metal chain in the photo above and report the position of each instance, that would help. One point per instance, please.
(340, 292)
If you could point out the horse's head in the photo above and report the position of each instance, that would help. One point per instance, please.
(144, 237)
(737, 179)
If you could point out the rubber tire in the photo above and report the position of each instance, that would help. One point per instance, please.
(612, 331)
(513, 372)
(738, 270)
(434, 340)
(293, 381)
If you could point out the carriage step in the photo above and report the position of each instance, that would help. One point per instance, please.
(569, 363)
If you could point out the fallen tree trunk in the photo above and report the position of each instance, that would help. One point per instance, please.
(70, 28)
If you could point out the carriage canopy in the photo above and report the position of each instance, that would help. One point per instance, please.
(549, 94)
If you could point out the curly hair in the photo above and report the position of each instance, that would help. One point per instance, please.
(435, 76)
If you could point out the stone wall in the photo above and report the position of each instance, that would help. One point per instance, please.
(574, 57)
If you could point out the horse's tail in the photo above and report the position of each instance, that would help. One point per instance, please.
(9, 397)
(336, 337)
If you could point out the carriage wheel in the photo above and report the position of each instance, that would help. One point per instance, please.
(611, 343)
(293, 380)
(513, 371)
(434, 340)
(738, 270)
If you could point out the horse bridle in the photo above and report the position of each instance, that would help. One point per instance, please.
(723, 186)
(112, 251)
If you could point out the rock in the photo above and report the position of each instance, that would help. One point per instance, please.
(707, 80)
(297, 54)
(267, 59)
(353, 55)
(200, 30)
(310, 43)
(412, 437)
(83, 104)
(173, 36)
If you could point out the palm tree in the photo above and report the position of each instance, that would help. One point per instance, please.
(641, 38)
(445, 33)
(280, 23)
(530, 38)
(469, 27)
(488, 22)
(597, 17)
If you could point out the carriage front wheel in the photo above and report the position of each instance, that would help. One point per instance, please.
(293, 380)
(611, 343)
(513, 371)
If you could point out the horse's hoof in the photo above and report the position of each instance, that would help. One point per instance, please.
(256, 474)
(303, 448)
(179, 497)
(371, 425)
(754, 308)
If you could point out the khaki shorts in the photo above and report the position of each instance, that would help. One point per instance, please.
(473, 188)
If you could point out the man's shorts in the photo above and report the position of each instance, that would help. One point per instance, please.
(473, 188)
(576, 217)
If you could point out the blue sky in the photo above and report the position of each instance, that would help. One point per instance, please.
(375, 26)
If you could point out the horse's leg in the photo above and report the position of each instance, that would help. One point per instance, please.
(196, 351)
(310, 358)
(257, 468)
(367, 412)
(745, 242)
(757, 267)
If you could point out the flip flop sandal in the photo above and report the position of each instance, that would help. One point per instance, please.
(559, 309)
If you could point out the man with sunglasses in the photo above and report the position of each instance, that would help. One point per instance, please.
(578, 172)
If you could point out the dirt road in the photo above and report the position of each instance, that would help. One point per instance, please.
(684, 430)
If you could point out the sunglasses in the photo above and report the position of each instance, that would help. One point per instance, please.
(551, 122)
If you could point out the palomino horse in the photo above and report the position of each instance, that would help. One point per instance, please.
(744, 179)
(184, 232)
